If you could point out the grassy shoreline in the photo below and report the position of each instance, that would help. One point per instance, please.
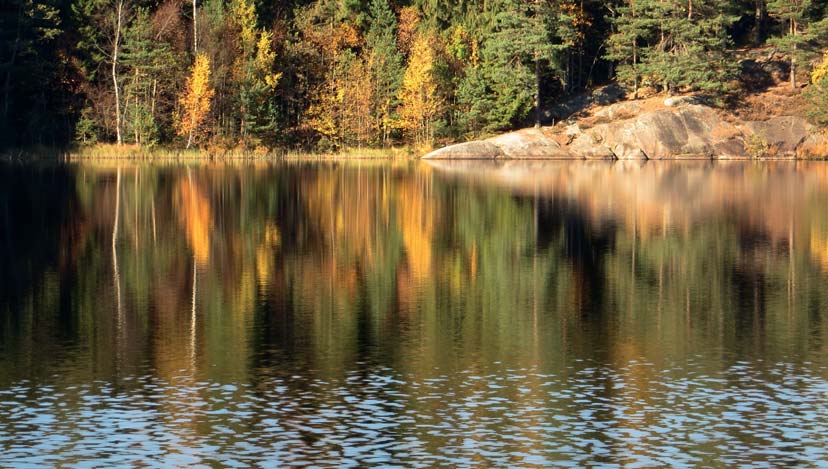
(149, 154)
(133, 152)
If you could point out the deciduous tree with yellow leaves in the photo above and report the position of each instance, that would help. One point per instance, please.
(421, 104)
(254, 74)
(196, 100)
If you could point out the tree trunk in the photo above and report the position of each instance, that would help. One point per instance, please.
(759, 27)
(195, 30)
(635, 69)
(793, 55)
(537, 91)
(115, 50)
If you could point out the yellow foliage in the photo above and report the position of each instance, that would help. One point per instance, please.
(821, 71)
(196, 99)
(244, 13)
(420, 101)
(331, 40)
(578, 18)
(254, 64)
(819, 247)
(266, 58)
(342, 113)
(265, 254)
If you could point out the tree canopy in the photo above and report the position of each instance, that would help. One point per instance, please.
(329, 74)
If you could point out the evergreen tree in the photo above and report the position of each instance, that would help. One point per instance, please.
(29, 67)
(804, 31)
(631, 27)
(149, 60)
(385, 65)
(679, 44)
(514, 57)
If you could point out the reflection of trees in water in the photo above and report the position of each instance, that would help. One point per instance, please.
(271, 273)
(325, 266)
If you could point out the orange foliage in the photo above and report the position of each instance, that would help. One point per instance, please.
(417, 226)
(196, 100)
(409, 20)
(196, 216)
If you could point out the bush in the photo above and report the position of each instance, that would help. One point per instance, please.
(817, 95)
(817, 98)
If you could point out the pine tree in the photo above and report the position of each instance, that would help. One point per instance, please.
(148, 60)
(678, 44)
(631, 27)
(803, 31)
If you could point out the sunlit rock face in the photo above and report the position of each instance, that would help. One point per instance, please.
(677, 129)
(523, 144)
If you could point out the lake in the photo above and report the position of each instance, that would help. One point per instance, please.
(414, 314)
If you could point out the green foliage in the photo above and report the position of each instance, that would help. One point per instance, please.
(386, 66)
(677, 45)
(501, 91)
(757, 145)
(86, 129)
(302, 73)
(30, 70)
(817, 98)
(805, 31)
(254, 73)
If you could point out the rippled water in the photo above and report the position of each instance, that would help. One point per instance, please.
(459, 315)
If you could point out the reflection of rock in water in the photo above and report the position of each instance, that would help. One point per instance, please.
(659, 195)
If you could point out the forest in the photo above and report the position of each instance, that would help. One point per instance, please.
(326, 75)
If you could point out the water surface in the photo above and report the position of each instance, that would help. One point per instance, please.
(414, 314)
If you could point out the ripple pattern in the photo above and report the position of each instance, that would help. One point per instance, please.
(750, 414)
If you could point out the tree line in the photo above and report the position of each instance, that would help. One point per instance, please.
(331, 74)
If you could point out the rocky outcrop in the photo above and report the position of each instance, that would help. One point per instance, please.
(477, 150)
(523, 144)
(680, 129)
(781, 135)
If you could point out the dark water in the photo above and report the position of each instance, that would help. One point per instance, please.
(374, 314)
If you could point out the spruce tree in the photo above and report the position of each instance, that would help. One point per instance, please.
(150, 66)
(386, 65)
(516, 53)
(28, 66)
